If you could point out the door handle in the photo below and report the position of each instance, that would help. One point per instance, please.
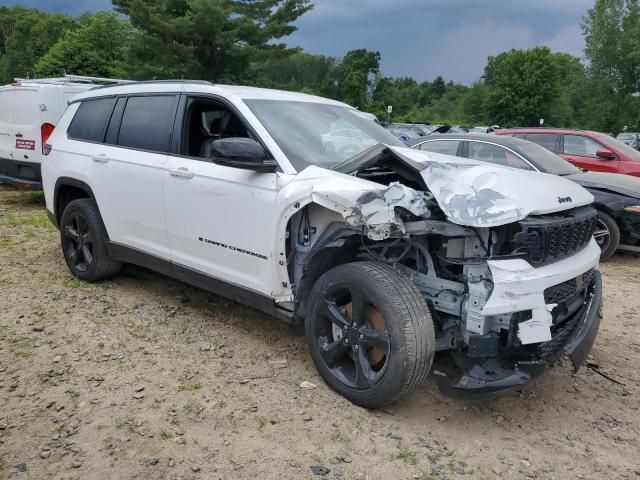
(181, 172)
(19, 135)
(101, 158)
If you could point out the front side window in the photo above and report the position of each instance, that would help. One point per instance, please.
(580, 146)
(90, 121)
(486, 152)
(146, 123)
(312, 133)
(447, 147)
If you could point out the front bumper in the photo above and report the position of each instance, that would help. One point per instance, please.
(491, 377)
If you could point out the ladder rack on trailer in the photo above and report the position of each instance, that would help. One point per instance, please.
(72, 79)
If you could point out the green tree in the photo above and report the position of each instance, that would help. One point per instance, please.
(211, 39)
(524, 85)
(355, 77)
(96, 48)
(612, 36)
(25, 36)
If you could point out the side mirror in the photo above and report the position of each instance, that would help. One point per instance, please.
(606, 154)
(243, 153)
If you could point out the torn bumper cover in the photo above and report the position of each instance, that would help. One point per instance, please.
(487, 379)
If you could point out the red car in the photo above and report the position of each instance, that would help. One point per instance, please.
(589, 150)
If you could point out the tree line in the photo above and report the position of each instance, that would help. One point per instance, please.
(240, 42)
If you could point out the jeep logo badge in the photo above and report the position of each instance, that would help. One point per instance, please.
(565, 200)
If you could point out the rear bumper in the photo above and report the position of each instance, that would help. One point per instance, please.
(490, 379)
(21, 174)
(19, 182)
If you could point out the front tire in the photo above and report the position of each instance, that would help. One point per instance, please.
(370, 333)
(84, 242)
(607, 235)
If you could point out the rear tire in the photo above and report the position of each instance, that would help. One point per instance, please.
(84, 242)
(370, 333)
(607, 235)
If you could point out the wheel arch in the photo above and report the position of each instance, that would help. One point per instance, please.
(68, 189)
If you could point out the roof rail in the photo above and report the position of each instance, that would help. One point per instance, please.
(67, 79)
(151, 82)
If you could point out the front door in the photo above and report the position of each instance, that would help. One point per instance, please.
(221, 221)
(581, 151)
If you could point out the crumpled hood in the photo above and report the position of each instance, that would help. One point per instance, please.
(613, 182)
(478, 194)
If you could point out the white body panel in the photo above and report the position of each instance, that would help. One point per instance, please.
(207, 207)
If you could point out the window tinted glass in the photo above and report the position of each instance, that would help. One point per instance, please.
(487, 152)
(546, 140)
(91, 120)
(145, 123)
(448, 147)
(581, 146)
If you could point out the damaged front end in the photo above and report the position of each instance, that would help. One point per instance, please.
(509, 273)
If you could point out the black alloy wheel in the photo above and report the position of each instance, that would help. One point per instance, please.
(352, 338)
(77, 242)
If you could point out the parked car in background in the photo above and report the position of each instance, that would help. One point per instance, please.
(594, 151)
(29, 111)
(420, 129)
(406, 136)
(630, 138)
(232, 189)
(483, 129)
(617, 197)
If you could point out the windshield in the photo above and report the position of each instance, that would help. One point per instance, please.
(546, 161)
(316, 133)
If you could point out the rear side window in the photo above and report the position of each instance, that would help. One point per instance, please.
(146, 123)
(448, 147)
(91, 119)
(546, 140)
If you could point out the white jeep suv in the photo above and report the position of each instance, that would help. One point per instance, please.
(387, 255)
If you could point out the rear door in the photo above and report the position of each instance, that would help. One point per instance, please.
(20, 144)
(127, 171)
(581, 151)
(6, 125)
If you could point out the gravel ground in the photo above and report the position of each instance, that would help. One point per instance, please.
(144, 377)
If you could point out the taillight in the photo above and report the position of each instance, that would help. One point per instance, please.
(45, 132)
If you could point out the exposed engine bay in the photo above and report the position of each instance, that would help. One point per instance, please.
(505, 299)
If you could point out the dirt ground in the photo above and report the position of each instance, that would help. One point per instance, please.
(144, 377)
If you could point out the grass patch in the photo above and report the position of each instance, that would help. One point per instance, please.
(36, 220)
(124, 422)
(3, 469)
(73, 282)
(25, 198)
(164, 435)
(407, 456)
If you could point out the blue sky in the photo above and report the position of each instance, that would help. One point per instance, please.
(419, 38)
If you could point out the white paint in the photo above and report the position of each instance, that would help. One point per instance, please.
(517, 286)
